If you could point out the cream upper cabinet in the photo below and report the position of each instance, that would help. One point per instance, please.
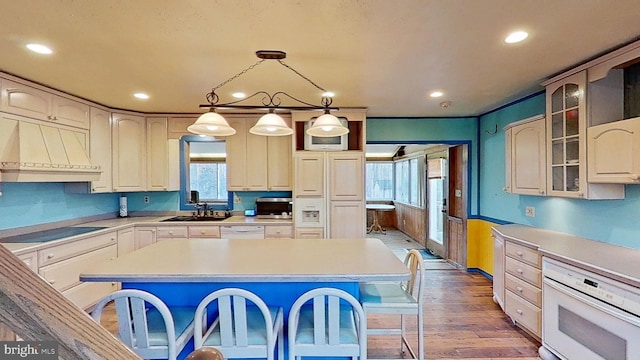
(129, 152)
(255, 162)
(100, 149)
(526, 157)
(567, 142)
(279, 162)
(157, 154)
(246, 157)
(614, 152)
(346, 175)
(38, 104)
(309, 170)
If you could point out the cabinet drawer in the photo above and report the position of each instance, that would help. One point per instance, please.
(64, 251)
(31, 259)
(242, 232)
(88, 294)
(528, 255)
(524, 289)
(278, 232)
(172, 232)
(524, 271)
(522, 312)
(204, 232)
(65, 274)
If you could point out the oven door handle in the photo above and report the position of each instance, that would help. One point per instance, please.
(593, 302)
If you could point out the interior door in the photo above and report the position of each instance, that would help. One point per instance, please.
(437, 190)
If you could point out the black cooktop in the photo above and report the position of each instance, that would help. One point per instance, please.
(50, 235)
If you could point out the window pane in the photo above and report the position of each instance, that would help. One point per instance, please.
(402, 181)
(379, 180)
(210, 179)
(414, 180)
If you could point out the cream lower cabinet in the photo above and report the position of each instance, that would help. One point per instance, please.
(614, 152)
(204, 231)
(309, 233)
(62, 265)
(345, 177)
(523, 286)
(172, 232)
(347, 219)
(278, 232)
(525, 157)
(126, 241)
(129, 152)
(144, 236)
(498, 269)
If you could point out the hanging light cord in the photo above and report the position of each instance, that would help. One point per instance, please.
(302, 76)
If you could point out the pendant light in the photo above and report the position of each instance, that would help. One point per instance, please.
(211, 123)
(271, 124)
(327, 125)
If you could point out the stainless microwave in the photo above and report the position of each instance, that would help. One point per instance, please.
(332, 143)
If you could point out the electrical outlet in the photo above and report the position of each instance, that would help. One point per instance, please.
(146, 199)
(530, 211)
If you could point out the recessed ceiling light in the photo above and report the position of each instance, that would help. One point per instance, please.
(436, 94)
(516, 37)
(239, 95)
(328, 94)
(39, 48)
(141, 96)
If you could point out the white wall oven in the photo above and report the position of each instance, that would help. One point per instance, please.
(587, 316)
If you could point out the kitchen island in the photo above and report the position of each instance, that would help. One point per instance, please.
(183, 272)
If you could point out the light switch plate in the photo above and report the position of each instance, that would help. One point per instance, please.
(458, 193)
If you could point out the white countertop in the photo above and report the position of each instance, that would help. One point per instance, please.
(617, 262)
(245, 260)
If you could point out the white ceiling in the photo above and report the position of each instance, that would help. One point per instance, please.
(381, 54)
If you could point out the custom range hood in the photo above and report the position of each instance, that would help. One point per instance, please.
(35, 152)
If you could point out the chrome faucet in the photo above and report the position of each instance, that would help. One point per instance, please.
(201, 209)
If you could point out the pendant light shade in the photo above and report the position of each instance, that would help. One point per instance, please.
(213, 124)
(271, 124)
(327, 125)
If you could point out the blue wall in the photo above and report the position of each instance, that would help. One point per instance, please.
(611, 221)
(432, 130)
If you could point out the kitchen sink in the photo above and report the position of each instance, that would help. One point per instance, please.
(194, 218)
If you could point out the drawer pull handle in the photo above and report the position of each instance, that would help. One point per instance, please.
(519, 289)
(519, 253)
(520, 271)
(50, 256)
(202, 232)
(170, 232)
(112, 258)
(519, 311)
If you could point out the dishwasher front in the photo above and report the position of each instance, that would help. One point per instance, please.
(242, 232)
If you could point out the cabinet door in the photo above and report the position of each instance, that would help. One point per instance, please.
(498, 269)
(528, 158)
(129, 149)
(347, 219)
(614, 152)
(279, 163)
(157, 154)
(278, 232)
(237, 156)
(25, 100)
(144, 236)
(256, 160)
(309, 170)
(100, 149)
(346, 175)
(565, 133)
(69, 112)
(126, 242)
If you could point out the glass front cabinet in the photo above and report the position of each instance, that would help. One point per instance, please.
(566, 101)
